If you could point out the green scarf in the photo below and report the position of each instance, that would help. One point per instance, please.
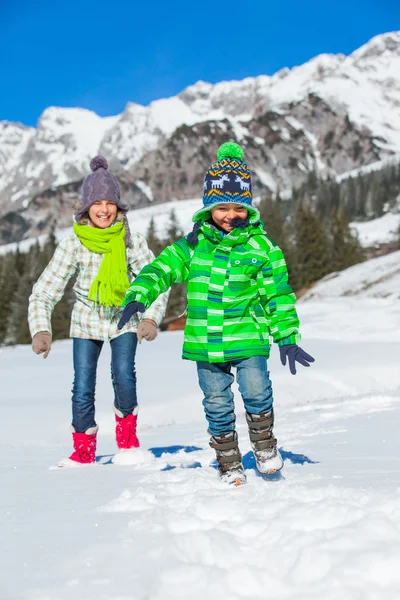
(111, 282)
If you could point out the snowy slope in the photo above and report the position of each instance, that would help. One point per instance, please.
(374, 278)
(164, 528)
(384, 230)
(14, 139)
(375, 166)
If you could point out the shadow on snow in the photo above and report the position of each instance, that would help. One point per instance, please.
(248, 459)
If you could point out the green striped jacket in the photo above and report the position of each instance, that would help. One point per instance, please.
(238, 293)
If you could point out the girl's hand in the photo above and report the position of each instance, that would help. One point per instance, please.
(130, 309)
(42, 343)
(147, 329)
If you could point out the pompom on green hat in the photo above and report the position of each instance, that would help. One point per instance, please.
(230, 150)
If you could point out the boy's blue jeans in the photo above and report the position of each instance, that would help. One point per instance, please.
(216, 379)
(86, 355)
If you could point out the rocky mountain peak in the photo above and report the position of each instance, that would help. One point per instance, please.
(386, 44)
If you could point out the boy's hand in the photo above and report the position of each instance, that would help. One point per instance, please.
(128, 312)
(147, 329)
(42, 343)
(294, 353)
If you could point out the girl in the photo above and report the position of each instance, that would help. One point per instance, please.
(105, 257)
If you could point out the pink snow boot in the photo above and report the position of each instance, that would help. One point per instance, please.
(84, 449)
(125, 431)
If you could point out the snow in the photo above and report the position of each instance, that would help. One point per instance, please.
(146, 189)
(383, 230)
(164, 527)
(364, 84)
(85, 126)
(376, 278)
(294, 123)
(14, 140)
(379, 45)
(266, 179)
(375, 166)
(139, 219)
(85, 130)
(170, 113)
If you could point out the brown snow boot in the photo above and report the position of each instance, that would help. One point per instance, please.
(230, 468)
(263, 442)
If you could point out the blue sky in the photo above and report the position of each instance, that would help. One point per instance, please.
(100, 55)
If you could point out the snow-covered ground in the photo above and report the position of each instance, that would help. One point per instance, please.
(164, 527)
(384, 230)
(375, 278)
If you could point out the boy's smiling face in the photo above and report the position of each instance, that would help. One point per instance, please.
(223, 214)
(103, 213)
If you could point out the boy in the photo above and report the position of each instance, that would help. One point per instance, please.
(238, 296)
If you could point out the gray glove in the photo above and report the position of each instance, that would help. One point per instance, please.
(147, 330)
(42, 343)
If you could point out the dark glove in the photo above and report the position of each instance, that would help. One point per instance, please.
(294, 353)
(128, 312)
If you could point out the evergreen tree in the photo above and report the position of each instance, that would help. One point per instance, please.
(10, 277)
(345, 247)
(174, 231)
(17, 331)
(153, 241)
(177, 299)
(311, 247)
(49, 247)
(18, 273)
(270, 213)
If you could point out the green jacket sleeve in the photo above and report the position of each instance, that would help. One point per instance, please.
(171, 266)
(278, 299)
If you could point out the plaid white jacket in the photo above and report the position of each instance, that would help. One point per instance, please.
(88, 320)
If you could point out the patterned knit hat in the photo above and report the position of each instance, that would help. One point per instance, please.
(228, 181)
(99, 185)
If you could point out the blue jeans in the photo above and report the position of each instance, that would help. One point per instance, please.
(216, 379)
(86, 355)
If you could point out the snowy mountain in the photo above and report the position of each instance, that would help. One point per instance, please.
(163, 527)
(55, 153)
(331, 115)
(14, 140)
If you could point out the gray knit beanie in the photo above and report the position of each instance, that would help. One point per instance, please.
(99, 185)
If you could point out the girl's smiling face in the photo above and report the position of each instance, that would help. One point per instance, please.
(103, 213)
(223, 214)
